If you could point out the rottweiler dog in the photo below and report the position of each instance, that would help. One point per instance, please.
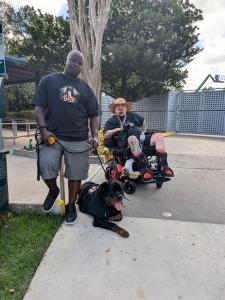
(104, 203)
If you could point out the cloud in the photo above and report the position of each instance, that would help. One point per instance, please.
(52, 7)
(212, 35)
(210, 61)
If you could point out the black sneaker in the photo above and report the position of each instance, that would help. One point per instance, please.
(50, 199)
(71, 215)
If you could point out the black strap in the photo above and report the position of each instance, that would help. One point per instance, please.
(38, 161)
(38, 143)
(73, 152)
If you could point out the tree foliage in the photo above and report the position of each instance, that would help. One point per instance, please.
(146, 45)
(19, 96)
(6, 12)
(41, 37)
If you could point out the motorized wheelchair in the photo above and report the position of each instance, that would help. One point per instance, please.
(123, 167)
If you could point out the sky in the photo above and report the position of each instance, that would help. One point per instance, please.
(212, 37)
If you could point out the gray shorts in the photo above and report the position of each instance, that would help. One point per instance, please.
(76, 164)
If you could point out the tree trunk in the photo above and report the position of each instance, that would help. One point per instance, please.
(88, 19)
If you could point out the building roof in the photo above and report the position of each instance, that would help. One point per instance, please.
(16, 60)
(18, 70)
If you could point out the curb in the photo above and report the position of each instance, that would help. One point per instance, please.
(32, 154)
(20, 208)
(169, 133)
(203, 136)
(31, 208)
(24, 153)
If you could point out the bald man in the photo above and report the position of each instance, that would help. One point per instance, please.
(63, 106)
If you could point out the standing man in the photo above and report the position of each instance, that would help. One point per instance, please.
(63, 106)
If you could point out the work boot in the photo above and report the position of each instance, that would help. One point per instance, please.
(164, 169)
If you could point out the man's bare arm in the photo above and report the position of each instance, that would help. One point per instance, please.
(108, 134)
(40, 118)
(94, 126)
(40, 115)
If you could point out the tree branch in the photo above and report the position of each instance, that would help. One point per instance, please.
(92, 8)
(87, 30)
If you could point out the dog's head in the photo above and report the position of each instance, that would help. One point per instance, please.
(112, 194)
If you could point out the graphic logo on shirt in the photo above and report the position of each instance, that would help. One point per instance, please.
(69, 94)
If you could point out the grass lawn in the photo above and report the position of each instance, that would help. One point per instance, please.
(24, 238)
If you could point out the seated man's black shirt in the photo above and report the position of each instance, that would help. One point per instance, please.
(117, 122)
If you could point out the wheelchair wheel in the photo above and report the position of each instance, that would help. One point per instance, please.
(129, 187)
(159, 185)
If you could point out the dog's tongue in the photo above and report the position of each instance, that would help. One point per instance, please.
(119, 205)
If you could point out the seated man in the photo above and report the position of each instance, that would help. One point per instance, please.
(122, 114)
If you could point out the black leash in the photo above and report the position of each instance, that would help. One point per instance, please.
(75, 152)
(99, 158)
(39, 142)
(72, 152)
(38, 161)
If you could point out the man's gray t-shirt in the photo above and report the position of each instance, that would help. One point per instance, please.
(69, 104)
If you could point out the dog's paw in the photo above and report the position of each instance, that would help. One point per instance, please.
(124, 233)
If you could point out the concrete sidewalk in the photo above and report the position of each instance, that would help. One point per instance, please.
(161, 260)
(22, 179)
(22, 175)
(165, 256)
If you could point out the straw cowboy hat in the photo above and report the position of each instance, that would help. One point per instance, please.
(120, 101)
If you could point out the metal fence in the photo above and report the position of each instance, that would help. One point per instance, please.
(159, 111)
(184, 112)
(17, 128)
(201, 112)
(106, 100)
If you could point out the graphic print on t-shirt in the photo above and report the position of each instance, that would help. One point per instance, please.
(69, 94)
